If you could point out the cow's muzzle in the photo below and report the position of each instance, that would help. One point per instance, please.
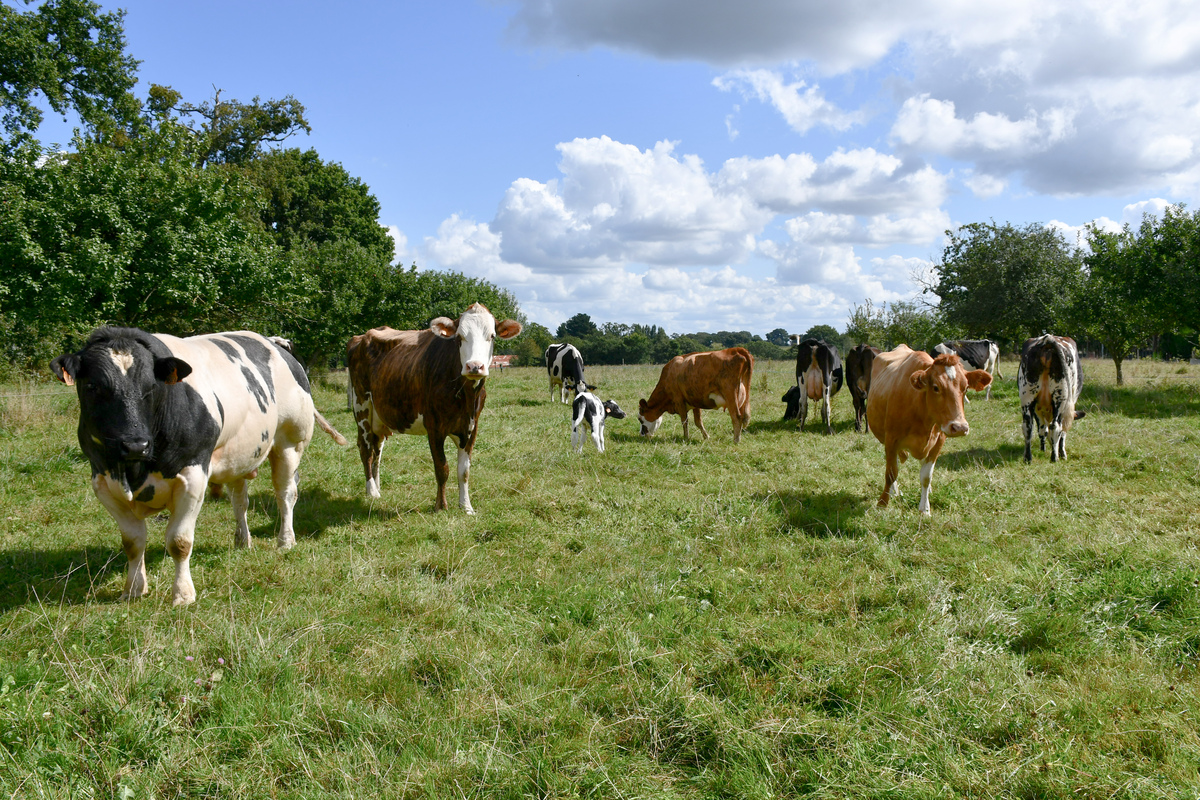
(475, 370)
(135, 450)
(957, 429)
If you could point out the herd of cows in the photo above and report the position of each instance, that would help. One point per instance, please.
(162, 420)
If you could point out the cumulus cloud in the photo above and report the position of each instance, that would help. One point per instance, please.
(801, 105)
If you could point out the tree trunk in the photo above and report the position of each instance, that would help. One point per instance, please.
(1117, 360)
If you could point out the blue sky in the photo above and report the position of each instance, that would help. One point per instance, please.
(706, 165)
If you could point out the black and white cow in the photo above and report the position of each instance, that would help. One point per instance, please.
(589, 410)
(162, 417)
(981, 354)
(1049, 381)
(564, 365)
(791, 399)
(819, 376)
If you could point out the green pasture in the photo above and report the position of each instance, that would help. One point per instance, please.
(667, 620)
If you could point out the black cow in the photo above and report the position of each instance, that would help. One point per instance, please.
(981, 354)
(792, 399)
(818, 375)
(859, 361)
(589, 410)
(564, 365)
(160, 418)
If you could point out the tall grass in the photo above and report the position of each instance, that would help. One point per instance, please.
(666, 619)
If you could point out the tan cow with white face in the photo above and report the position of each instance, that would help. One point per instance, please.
(915, 404)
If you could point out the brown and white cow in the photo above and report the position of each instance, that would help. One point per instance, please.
(859, 361)
(161, 418)
(429, 383)
(719, 379)
(914, 405)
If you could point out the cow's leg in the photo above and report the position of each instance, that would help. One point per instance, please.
(683, 418)
(926, 482)
(284, 476)
(699, 424)
(370, 449)
(1027, 423)
(186, 500)
(1055, 435)
(597, 435)
(576, 438)
(1062, 442)
(441, 470)
(803, 402)
(826, 408)
(464, 477)
(133, 537)
(239, 498)
(890, 472)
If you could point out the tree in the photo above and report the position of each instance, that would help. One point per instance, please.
(73, 56)
(1007, 282)
(309, 200)
(1108, 307)
(580, 325)
(779, 336)
(866, 324)
(824, 333)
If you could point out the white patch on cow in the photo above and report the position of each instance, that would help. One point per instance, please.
(717, 399)
(372, 488)
(123, 360)
(650, 427)
(476, 333)
(464, 475)
(926, 482)
(950, 373)
(417, 427)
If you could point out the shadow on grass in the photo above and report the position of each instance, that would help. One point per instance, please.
(987, 457)
(1146, 401)
(819, 514)
(68, 576)
(315, 511)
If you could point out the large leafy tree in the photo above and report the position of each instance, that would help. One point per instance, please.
(1007, 282)
(72, 56)
(1109, 308)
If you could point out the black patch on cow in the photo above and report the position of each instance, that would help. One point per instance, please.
(265, 436)
(220, 409)
(296, 368)
(255, 388)
(260, 356)
(257, 452)
(229, 350)
(145, 495)
(792, 398)
(975, 352)
(117, 408)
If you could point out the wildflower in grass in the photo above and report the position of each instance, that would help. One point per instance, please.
(188, 658)
(221, 661)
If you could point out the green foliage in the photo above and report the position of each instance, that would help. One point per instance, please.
(902, 322)
(578, 326)
(72, 56)
(130, 236)
(1108, 309)
(779, 337)
(1005, 282)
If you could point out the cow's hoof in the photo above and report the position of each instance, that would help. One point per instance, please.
(183, 597)
(286, 543)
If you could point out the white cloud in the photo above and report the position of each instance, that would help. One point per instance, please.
(801, 105)
(402, 254)
(928, 125)
(985, 186)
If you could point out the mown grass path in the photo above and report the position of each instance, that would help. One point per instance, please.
(667, 619)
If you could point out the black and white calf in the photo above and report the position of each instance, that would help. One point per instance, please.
(1049, 381)
(588, 409)
(981, 354)
(819, 376)
(564, 365)
(161, 417)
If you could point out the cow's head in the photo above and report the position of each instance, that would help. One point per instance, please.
(120, 382)
(649, 426)
(611, 409)
(943, 383)
(476, 331)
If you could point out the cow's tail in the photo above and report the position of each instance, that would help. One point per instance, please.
(325, 426)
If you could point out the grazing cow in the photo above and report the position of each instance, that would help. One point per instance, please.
(718, 379)
(160, 418)
(859, 361)
(819, 376)
(428, 383)
(1048, 380)
(914, 404)
(564, 365)
(589, 410)
(981, 354)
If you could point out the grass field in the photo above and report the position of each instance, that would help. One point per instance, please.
(665, 620)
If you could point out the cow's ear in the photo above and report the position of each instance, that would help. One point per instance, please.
(444, 327)
(642, 406)
(508, 329)
(171, 370)
(919, 379)
(65, 368)
(978, 380)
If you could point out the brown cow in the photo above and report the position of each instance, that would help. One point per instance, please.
(719, 379)
(428, 382)
(915, 403)
(858, 377)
